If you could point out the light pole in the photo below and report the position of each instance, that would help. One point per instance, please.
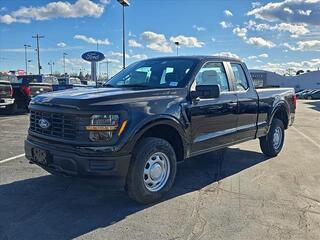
(25, 56)
(64, 62)
(124, 3)
(51, 63)
(106, 62)
(177, 44)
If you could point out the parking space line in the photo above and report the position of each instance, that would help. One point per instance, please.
(306, 137)
(12, 158)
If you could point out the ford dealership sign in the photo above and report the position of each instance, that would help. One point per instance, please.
(93, 56)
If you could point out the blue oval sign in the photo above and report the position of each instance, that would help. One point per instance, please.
(93, 56)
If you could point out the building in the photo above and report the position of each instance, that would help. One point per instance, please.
(308, 80)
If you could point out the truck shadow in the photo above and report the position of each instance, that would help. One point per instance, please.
(47, 207)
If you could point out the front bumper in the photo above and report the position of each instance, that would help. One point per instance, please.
(6, 101)
(71, 161)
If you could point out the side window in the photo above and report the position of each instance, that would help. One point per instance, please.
(212, 73)
(240, 77)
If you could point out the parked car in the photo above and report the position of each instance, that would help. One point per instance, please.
(153, 115)
(301, 93)
(6, 100)
(67, 83)
(313, 95)
(305, 95)
(28, 86)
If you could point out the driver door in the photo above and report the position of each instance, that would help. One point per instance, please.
(213, 120)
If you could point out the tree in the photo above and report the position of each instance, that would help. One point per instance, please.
(299, 72)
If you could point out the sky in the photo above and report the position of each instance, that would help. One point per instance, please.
(269, 35)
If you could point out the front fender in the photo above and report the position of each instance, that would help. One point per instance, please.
(142, 127)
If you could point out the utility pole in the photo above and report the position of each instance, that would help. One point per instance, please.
(25, 57)
(64, 62)
(38, 51)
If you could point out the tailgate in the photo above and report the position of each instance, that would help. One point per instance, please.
(38, 88)
(5, 89)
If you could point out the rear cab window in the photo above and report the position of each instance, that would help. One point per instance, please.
(240, 77)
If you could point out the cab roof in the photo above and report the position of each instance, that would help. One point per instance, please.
(200, 58)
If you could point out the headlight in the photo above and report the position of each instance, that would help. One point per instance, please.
(102, 127)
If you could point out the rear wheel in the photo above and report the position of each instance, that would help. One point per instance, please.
(272, 144)
(152, 170)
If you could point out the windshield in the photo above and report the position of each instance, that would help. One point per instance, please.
(155, 73)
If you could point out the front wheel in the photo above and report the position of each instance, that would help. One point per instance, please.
(272, 144)
(152, 170)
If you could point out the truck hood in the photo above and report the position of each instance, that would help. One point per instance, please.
(91, 98)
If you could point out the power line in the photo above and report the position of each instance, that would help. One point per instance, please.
(38, 51)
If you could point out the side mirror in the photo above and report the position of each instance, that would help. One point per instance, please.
(206, 91)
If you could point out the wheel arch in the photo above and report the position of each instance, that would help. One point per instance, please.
(164, 127)
(281, 112)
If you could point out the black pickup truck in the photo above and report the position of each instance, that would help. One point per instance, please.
(151, 116)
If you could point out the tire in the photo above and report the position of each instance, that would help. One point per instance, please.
(11, 109)
(272, 143)
(153, 159)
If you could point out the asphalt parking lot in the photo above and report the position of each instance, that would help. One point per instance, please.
(235, 194)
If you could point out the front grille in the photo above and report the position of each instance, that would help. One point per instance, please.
(60, 125)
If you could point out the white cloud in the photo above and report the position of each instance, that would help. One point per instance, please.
(199, 28)
(240, 32)
(310, 45)
(289, 11)
(227, 54)
(156, 41)
(61, 44)
(228, 13)
(133, 57)
(131, 34)
(295, 29)
(213, 39)
(92, 40)
(73, 62)
(263, 55)
(258, 41)
(295, 66)
(3, 9)
(304, 12)
(105, 1)
(8, 19)
(81, 8)
(133, 43)
(225, 24)
(255, 4)
(191, 42)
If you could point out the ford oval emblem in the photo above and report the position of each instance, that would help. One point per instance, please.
(93, 56)
(44, 123)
